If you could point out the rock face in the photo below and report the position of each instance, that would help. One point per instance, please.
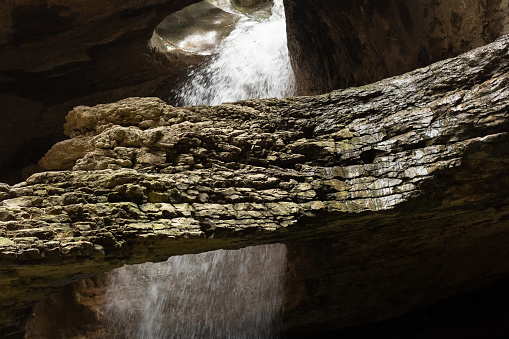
(195, 30)
(355, 43)
(77, 306)
(389, 196)
(55, 55)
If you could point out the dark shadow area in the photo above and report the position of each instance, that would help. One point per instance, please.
(483, 313)
(344, 43)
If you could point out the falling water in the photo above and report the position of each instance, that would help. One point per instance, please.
(220, 294)
(252, 62)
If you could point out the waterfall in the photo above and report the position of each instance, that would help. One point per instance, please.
(252, 62)
(219, 294)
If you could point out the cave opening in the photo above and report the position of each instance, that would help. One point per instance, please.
(234, 49)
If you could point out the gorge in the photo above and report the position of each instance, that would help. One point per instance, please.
(388, 197)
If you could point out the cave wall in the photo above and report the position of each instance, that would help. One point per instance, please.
(80, 53)
(55, 55)
(337, 44)
(75, 312)
(389, 196)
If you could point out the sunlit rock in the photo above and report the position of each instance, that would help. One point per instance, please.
(257, 9)
(196, 29)
(388, 197)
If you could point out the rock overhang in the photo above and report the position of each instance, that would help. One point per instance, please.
(428, 148)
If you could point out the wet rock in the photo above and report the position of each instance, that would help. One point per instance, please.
(196, 29)
(396, 183)
(252, 6)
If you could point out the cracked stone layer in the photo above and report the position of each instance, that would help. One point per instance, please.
(361, 176)
(56, 54)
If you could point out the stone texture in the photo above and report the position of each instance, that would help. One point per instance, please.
(55, 55)
(71, 313)
(389, 196)
(355, 43)
(196, 29)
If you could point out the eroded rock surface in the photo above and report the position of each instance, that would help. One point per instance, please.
(55, 55)
(364, 185)
(355, 43)
(195, 30)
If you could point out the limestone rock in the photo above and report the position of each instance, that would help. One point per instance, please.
(55, 55)
(196, 29)
(374, 190)
(64, 154)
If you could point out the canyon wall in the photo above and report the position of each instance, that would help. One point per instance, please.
(389, 196)
(349, 43)
(55, 55)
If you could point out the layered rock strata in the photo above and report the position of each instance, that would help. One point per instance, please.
(389, 196)
(55, 55)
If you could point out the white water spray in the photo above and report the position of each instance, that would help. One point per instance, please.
(252, 62)
(220, 294)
